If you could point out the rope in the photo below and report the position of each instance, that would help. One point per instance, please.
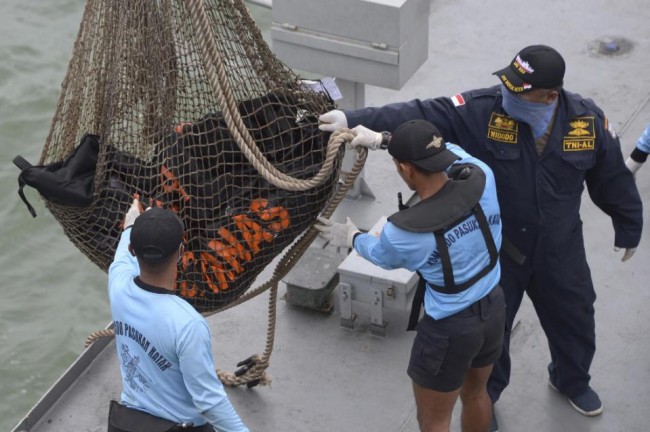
(253, 370)
(218, 78)
(98, 334)
(337, 138)
(257, 62)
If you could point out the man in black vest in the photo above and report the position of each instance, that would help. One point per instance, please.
(451, 238)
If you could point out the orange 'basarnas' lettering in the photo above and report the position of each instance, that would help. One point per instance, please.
(170, 183)
(230, 255)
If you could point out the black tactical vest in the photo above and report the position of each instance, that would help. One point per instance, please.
(457, 201)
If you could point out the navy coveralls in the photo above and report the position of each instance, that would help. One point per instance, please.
(540, 202)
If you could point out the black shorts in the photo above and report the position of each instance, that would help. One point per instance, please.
(444, 350)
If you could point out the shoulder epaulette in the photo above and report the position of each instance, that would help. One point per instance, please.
(591, 106)
(582, 104)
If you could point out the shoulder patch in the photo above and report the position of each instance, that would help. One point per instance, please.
(458, 100)
(610, 128)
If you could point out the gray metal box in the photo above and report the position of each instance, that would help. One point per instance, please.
(311, 281)
(364, 282)
(378, 42)
(363, 276)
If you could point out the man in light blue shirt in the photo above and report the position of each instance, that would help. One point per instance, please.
(451, 237)
(163, 344)
(640, 152)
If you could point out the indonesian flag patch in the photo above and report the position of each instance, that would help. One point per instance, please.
(458, 100)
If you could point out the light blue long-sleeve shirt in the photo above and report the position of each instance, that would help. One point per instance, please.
(165, 351)
(397, 248)
(643, 143)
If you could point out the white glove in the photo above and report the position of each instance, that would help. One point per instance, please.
(366, 138)
(133, 213)
(633, 165)
(332, 120)
(338, 234)
(627, 254)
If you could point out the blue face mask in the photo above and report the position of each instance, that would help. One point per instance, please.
(536, 114)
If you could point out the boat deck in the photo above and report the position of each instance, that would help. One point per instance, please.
(327, 378)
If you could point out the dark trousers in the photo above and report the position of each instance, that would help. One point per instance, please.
(557, 280)
(125, 419)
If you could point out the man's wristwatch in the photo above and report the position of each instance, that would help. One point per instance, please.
(385, 138)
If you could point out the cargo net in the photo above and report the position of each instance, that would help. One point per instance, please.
(192, 112)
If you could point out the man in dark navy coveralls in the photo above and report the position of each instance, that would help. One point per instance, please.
(543, 144)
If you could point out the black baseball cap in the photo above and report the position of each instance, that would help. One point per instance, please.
(534, 67)
(156, 234)
(420, 143)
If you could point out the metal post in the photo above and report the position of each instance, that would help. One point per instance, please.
(353, 98)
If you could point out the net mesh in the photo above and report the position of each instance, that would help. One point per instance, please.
(192, 111)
